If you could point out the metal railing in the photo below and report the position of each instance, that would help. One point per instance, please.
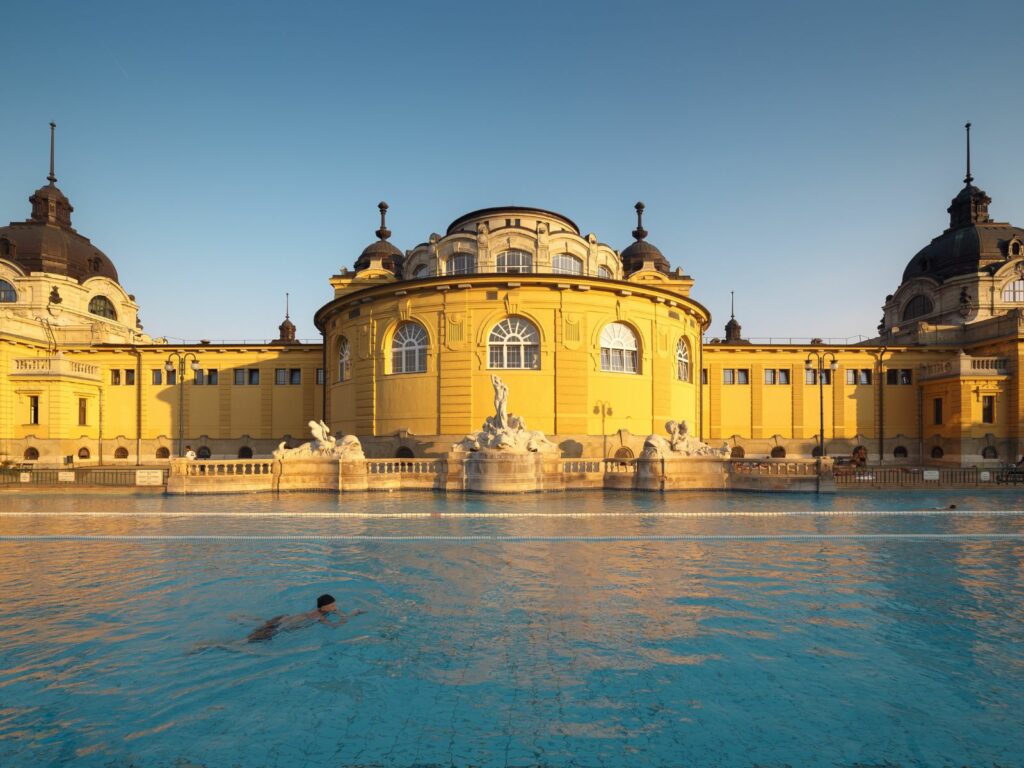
(114, 477)
(921, 477)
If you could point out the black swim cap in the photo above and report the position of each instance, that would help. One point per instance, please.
(324, 600)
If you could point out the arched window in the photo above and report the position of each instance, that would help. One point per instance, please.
(100, 305)
(31, 454)
(624, 453)
(916, 307)
(604, 272)
(989, 452)
(409, 349)
(245, 452)
(163, 453)
(565, 264)
(619, 349)
(404, 452)
(737, 452)
(121, 453)
(7, 293)
(778, 452)
(83, 453)
(344, 360)
(1011, 291)
(514, 343)
(937, 452)
(515, 261)
(899, 452)
(461, 264)
(420, 271)
(203, 452)
(683, 360)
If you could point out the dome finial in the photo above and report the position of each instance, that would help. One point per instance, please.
(51, 178)
(383, 233)
(968, 178)
(732, 304)
(286, 306)
(639, 233)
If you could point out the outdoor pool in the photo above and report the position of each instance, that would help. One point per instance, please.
(590, 629)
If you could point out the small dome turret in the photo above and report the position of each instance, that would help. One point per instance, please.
(640, 252)
(389, 257)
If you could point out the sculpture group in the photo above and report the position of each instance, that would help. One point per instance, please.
(324, 445)
(679, 443)
(505, 431)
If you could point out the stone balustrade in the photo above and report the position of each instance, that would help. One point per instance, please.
(221, 467)
(55, 365)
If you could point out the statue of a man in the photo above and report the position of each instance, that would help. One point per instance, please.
(500, 402)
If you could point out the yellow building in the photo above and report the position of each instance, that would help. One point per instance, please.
(598, 347)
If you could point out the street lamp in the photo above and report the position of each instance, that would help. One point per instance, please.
(821, 358)
(603, 409)
(182, 359)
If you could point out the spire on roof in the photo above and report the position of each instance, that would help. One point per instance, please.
(639, 233)
(383, 233)
(51, 178)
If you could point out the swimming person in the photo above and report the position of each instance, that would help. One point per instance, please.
(325, 605)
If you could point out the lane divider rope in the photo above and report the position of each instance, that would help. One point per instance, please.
(498, 515)
(510, 538)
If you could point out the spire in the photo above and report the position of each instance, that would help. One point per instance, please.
(639, 233)
(286, 329)
(51, 178)
(286, 305)
(733, 330)
(732, 304)
(968, 178)
(383, 233)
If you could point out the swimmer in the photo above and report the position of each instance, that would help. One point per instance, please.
(325, 605)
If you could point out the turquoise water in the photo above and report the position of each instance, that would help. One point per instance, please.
(573, 629)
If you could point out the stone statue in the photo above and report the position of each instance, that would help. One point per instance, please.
(505, 431)
(680, 443)
(500, 402)
(324, 445)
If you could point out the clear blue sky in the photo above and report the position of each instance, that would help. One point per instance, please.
(222, 153)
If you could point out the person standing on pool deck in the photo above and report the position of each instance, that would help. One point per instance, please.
(189, 453)
(325, 605)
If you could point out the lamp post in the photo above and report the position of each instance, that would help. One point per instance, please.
(182, 359)
(820, 358)
(603, 409)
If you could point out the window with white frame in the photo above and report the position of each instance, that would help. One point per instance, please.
(566, 264)
(682, 360)
(7, 293)
(619, 349)
(515, 261)
(1014, 291)
(409, 349)
(604, 272)
(344, 360)
(460, 264)
(514, 343)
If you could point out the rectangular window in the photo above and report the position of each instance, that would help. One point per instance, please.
(743, 376)
(783, 375)
(728, 375)
(988, 409)
(212, 376)
(769, 375)
(905, 376)
(826, 376)
(33, 409)
(703, 375)
(129, 378)
(319, 375)
(280, 375)
(239, 376)
(199, 379)
(115, 376)
(851, 375)
(865, 376)
(83, 411)
(892, 376)
(937, 410)
(295, 376)
(172, 378)
(254, 376)
(158, 377)
(810, 376)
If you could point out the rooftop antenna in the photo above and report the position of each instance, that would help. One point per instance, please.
(51, 178)
(968, 178)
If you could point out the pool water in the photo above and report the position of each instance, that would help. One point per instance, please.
(566, 629)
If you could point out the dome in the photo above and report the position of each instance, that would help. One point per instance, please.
(46, 242)
(972, 243)
(634, 256)
(390, 257)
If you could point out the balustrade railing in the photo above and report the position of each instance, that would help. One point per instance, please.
(54, 366)
(775, 467)
(403, 466)
(585, 466)
(222, 467)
